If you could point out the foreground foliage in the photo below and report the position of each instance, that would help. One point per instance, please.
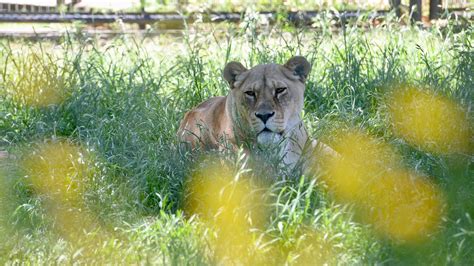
(95, 172)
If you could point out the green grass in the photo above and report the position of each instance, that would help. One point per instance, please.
(122, 101)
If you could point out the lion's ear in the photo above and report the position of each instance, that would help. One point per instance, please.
(231, 71)
(299, 66)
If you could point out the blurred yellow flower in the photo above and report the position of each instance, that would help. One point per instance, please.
(404, 206)
(399, 204)
(428, 120)
(230, 204)
(58, 171)
(362, 159)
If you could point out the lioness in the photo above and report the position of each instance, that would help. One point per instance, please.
(263, 106)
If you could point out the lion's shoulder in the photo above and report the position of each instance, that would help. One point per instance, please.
(204, 121)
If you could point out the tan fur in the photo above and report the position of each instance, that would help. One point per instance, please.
(207, 123)
(278, 94)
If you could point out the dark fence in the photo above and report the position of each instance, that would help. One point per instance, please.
(34, 13)
(38, 8)
(143, 18)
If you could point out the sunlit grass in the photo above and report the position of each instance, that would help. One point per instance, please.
(5, 205)
(313, 248)
(37, 81)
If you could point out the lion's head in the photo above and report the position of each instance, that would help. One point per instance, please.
(268, 98)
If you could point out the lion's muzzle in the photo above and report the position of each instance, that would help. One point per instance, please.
(268, 137)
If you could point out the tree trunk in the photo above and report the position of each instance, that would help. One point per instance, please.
(415, 10)
(395, 5)
(435, 9)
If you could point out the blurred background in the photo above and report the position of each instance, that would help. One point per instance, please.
(18, 17)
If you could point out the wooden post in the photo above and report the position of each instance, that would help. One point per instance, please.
(70, 6)
(415, 10)
(395, 5)
(142, 26)
(435, 9)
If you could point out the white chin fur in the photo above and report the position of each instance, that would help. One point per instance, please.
(268, 138)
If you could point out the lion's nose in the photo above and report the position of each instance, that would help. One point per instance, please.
(264, 116)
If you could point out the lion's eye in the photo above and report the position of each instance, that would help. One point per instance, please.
(250, 93)
(280, 90)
